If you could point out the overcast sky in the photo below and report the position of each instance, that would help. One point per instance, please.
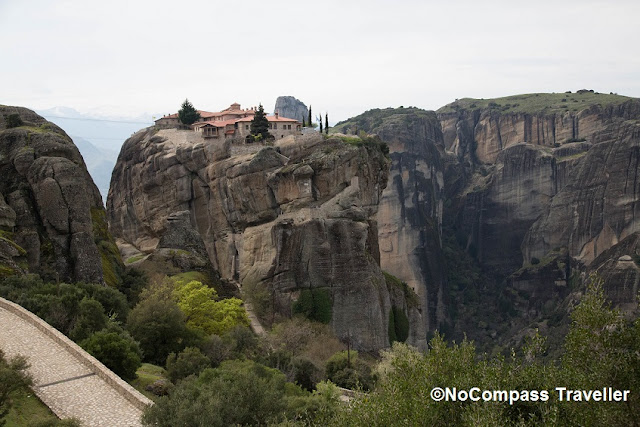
(343, 57)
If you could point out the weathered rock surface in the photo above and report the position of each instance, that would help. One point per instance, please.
(521, 168)
(411, 208)
(297, 216)
(50, 208)
(292, 108)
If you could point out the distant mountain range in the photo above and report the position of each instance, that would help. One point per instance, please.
(99, 136)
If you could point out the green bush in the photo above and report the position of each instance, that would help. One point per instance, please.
(13, 376)
(189, 361)
(13, 121)
(236, 393)
(398, 325)
(315, 304)
(160, 328)
(116, 349)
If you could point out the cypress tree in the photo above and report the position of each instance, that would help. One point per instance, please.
(310, 121)
(260, 124)
(303, 122)
(326, 123)
(320, 124)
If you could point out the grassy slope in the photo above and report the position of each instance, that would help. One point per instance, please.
(372, 118)
(538, 102)
(27, 410)
(148, 374)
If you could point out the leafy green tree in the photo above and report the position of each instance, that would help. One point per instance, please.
(188, 115)
(116, 349)
(315, 304)
(198, 302)
(189, 361)
(160, 327)
(91, 318)
(260, 124)
(236, 393)
(13, 376)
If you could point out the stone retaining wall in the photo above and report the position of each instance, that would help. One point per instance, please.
(95, 366)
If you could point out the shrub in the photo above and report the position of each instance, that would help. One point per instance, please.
(535, 261)
(315, 304)
(13, 376)
(116, 349)
(189, 361)
(160, 328)
(13, 121)
(398, 325)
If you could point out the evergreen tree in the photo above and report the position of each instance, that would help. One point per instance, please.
(260, 124)
(326, 123)
(310, 121)
(320, 125)
(188, 115)
(304, 124)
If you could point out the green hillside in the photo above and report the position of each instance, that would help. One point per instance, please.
(538, 102)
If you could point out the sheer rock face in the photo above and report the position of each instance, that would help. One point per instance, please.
(296, 216)
(50, 209)
(600, 205)
(291, 108)
(529, 190)
(411, 208)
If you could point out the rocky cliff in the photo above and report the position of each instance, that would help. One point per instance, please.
(292, 108)
(411, 208)
(296, 219)
(51, 217)
(566, 157)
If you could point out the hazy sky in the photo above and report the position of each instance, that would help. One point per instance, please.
(343, 57)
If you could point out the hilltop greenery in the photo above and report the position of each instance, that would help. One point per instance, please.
(533, 103)
(371, 119)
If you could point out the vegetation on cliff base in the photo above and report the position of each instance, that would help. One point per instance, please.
(112, 266)
(315, 304)
(532, 103)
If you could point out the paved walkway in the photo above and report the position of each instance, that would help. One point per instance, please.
(67, 386)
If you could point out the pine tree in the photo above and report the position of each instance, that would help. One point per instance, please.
(188, 115)
(260, 124)
(326, 123)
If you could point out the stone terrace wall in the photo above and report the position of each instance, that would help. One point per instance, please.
(118, 384)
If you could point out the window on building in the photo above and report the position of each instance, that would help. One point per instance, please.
(246, 127)
(275, 126)
(270, 127)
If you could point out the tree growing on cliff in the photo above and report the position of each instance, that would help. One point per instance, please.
(188, 115)
(260, 124)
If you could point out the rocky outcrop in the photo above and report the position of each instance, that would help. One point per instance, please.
(522, 167)
(411, 209)
(280, 221)
(600, 205)
(50, 210)
(292, 108)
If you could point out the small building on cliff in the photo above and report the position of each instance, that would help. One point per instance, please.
(233, 123)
